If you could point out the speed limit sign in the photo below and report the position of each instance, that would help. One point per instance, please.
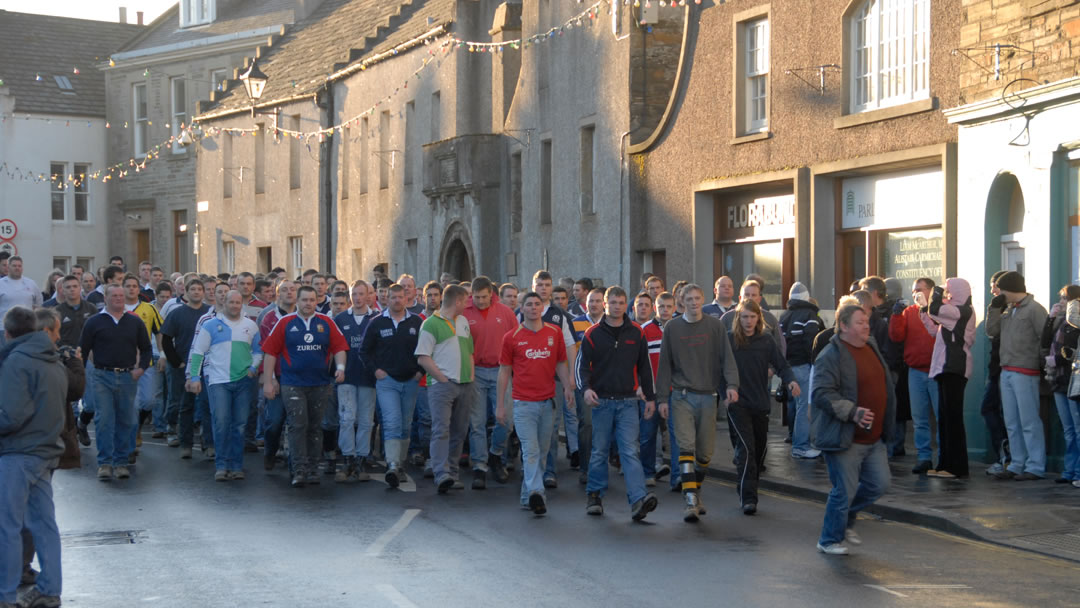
(8, 230)
(9, 247)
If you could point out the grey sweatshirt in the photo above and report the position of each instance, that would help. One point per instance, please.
(1020, 329)
(696, 357)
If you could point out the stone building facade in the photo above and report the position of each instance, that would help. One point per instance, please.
(154, 82)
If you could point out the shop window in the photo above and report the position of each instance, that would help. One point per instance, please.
(763, 258)
(888, 53)
(912, 254)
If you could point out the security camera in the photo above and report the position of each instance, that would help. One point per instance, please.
(134, 217)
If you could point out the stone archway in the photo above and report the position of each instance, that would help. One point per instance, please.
(457, 256)
(1004, 224)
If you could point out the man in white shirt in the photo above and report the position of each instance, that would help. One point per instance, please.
(17, 290)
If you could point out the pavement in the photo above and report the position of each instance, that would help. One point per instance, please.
(1037, 516)
(171, 537)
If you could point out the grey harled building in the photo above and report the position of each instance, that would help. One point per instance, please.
(442, 158)
(153, 84)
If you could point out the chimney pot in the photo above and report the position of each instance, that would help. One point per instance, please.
(123, 14)
(139, 16)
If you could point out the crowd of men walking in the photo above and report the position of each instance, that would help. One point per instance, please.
(379, 377)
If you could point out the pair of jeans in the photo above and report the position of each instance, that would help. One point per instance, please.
(27, 502)
(396, 401)
(800, 422)
(859, 475)
(114, 416)
(485, 397)
(1069, 413)
(500, 433)
(304, 408)
(534, 421)
(1020, 404)
(149, 391)
(616, 419)
(275, 423)
(647, 440)
(229, 404)
(449, 402)
(923, 391)
(356, 414)
(994, 417)
(952, 449)
(570, 424)
(584, 417)
(420, 430)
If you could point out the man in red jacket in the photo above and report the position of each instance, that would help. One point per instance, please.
(913, 327)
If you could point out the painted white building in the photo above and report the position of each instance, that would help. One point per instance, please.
(53, 140)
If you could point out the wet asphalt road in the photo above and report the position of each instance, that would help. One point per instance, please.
(261, 543)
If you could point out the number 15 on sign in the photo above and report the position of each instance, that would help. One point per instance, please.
(8, 230)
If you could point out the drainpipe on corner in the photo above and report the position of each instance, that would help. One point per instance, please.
(623, 216)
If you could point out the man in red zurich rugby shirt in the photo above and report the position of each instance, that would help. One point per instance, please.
(489, 321)
(304, 341)
(533, 354)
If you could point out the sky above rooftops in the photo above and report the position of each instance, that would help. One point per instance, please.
(100, 10)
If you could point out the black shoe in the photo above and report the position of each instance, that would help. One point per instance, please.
(787, 439)
(643, 507)
(551, 482)
(922, 467)
(84, 435)
(313, 479)
(298, 481)
(251, 447)
(1005, 475)
(498, 470)
(662, 472)
(749, 508)
(392, 478)
(594, 505)
(575, 460)
(1062, 480)
(536, 504)
(479, 479)
(1027, 477)
(445, 484)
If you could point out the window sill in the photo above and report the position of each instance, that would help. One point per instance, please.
(743, 139)
(870, 116)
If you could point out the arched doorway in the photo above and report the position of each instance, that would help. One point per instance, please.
(1005, 226)
(457, 254)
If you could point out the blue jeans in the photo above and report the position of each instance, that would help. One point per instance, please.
(149, 391)
(88, 391)
(229, 403)
(647, 440)
(616, 419)
(114, 416)
(860, 475)
(275, 422)
(1069, 412)
(500, 433)
(923, 392)
(533, 420)
(396, 402)
(584, 417)
(27, 501)
(800, 422)
(570, 424)
(356, 413)
(420, 434)
(485, 396)
(1020, 403)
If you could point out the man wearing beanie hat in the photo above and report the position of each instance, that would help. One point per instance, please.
(991, 403)
(799, 324)
(1017, 320)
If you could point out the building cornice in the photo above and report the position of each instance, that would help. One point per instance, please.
(195, 48)
(1003, 107)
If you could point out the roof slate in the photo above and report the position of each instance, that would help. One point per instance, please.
(307, 54)
(235, 16)
(55, 46)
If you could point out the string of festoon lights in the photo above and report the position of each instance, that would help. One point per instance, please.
(439, 44)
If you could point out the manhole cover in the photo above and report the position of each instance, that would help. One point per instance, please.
(95, 539)
(1064, 542)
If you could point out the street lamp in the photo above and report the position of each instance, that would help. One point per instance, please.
(254, 83)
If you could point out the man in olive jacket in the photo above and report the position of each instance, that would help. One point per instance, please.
(31, 419)
(853, 415)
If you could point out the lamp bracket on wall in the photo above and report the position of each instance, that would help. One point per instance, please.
(527, 132)
(382, 154)
(801, 74)
(1001, 51)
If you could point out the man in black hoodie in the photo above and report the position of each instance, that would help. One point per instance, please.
(31, 419)
(799, 324)
(614, 359)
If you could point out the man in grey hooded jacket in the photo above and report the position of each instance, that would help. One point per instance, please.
(31, 419)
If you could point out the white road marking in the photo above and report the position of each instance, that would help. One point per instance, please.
(385, 538)
(395, 596)
(886, 590)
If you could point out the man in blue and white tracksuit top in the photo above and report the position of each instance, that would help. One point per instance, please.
(356, 395)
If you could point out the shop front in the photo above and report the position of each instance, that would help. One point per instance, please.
(755, 234)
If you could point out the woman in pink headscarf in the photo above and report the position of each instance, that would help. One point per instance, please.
(951, 367)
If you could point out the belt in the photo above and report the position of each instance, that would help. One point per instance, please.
(686, 391)
(116, 370)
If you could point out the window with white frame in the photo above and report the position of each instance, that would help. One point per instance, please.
(178, 113)
(82, 193)
(140, 120)
(197, 12)
(296, 255)
(61, 263)
(228, 257)
(217, 81)
(57, 191)
(890, 53)
(756, 87)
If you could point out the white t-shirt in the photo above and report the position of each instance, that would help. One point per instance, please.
(18, 292)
